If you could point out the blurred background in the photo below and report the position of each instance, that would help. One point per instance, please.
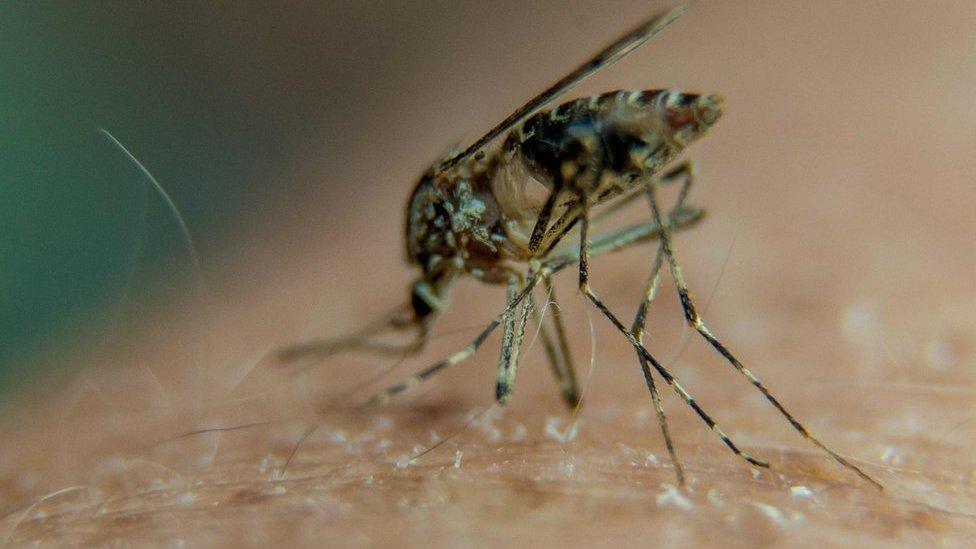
(223, 102)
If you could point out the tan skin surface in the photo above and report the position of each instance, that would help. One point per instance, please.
(842, 172)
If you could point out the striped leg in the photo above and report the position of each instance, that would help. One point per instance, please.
(646, 356)
(571, 216)
(696, 322)
(662, 420)
(511, 343)
(603, 244)
(542, 220)
(624, 238)
(640, 319)
(320, 349)
(457, 357)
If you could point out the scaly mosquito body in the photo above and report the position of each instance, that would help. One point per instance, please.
(471, 218)
(499, 215)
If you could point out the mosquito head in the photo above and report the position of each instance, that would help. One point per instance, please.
(688, 116)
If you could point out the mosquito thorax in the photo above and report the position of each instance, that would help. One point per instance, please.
(454, 223)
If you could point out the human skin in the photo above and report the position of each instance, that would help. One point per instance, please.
(836, 261)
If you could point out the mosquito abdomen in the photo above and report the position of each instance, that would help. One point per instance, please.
(622, 133)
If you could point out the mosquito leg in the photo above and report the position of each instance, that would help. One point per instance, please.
(511, 343)
(509, 329)
(695, 321)
(654, 279)
(672, 381)
(560, 359)
(604, 244)
(454, 359)
(640, 319)
(642, 232)
(319, 349)
(542, 221)
(570, 217)
(631, 195)
(684, 170)
(560, 229)
(622, 239)
(646, 356)
(638, 330)
(662, 420)
(322, 349)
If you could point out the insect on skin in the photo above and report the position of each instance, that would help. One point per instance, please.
(507, 215)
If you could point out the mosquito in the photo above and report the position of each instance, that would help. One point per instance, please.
(518, 213)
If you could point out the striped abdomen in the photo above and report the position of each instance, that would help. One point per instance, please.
(608, 139)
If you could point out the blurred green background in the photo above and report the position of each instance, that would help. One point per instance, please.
(79, 229)
(246, 113)
(230, 105)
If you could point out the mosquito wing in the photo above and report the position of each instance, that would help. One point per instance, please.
(606, 57)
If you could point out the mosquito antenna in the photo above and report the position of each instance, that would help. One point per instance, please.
(606, 57)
